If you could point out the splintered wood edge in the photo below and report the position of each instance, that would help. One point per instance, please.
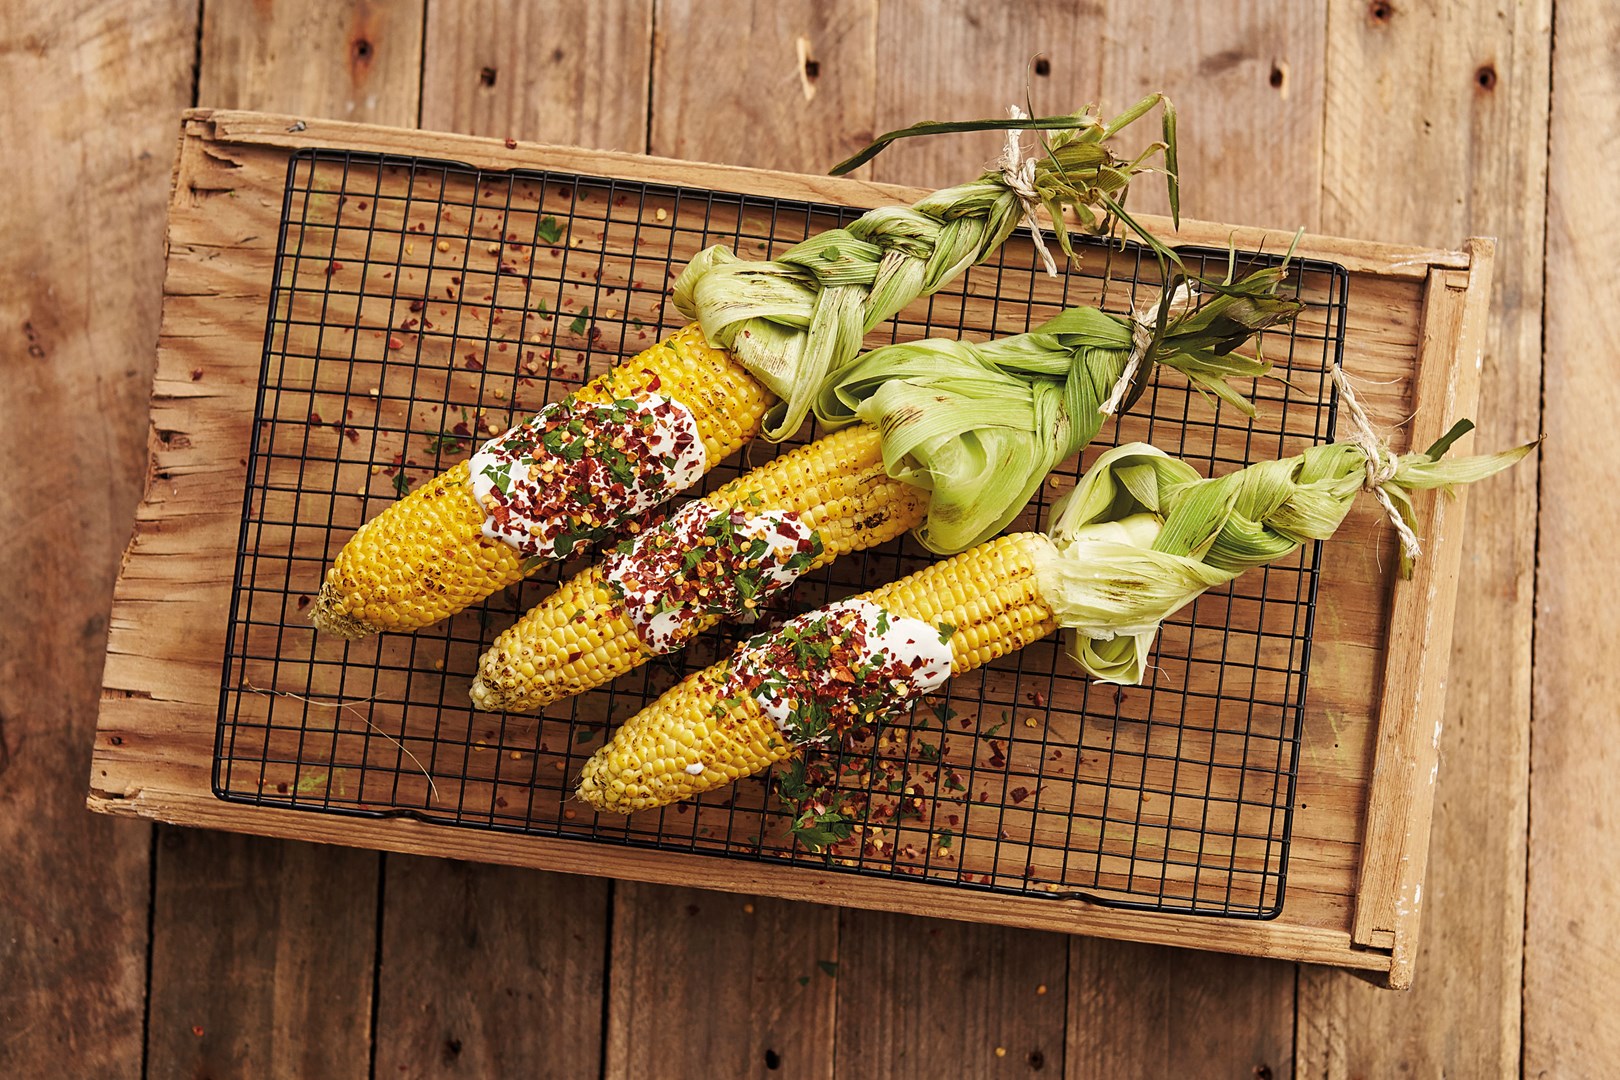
(266, 129)
(402, 834)
(1400, 798)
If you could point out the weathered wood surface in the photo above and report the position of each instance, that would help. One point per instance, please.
(88, 94)
(1570, 969)
(1416, 100)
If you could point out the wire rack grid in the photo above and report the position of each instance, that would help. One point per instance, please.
(419, 306)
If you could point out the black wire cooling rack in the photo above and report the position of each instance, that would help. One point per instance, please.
(419, 306)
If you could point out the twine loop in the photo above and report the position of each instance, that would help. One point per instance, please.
(1143, 322)
(1018, 172)
(1381, 463)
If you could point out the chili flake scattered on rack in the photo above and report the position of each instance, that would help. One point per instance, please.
(706, 561)
(576, 472)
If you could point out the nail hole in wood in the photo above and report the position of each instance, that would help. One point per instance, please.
(1381, 11)
(1486, 77)
(486, 75)
(812, 69)
(773, 1060)
(1276, 77)
(1262, 1072)
(362, 49)
(1043, 66)
(1037, 1060)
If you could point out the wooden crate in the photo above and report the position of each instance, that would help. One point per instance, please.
(1370, 727)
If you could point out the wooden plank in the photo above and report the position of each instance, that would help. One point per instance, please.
(534, 941)
(1574, 881)
(962, 60)
(262, 954)
(86, 96)
(772, 86)
(1247, 78)
(1409, 160)
(350, 59)
(490, 971)
(216, 309)
(223, 126)
(1144, 1010)
(219, 938)
(554, 71)
(712, 984)
(767, 85)
(921, 997)
(1401, 796)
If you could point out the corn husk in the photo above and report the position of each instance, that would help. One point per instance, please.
(980, 425)
(1110, 589)
(796, 319)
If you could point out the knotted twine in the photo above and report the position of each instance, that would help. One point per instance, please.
(1019, 173)
(1382, 463)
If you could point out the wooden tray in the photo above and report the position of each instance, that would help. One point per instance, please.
(1364, 791)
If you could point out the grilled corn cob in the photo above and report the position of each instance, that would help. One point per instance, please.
(1142, 536)
(431, 554)
(718, 557)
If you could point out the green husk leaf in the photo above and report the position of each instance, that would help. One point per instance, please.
(1143, 535)
(801, 318)
(980, 425)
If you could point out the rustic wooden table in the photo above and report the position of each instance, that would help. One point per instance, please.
(165, 951)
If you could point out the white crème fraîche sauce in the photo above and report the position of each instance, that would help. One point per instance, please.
(650, 576)
(549, 495)
(908, 653)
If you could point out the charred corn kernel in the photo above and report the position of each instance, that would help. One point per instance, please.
(838, 487)
(426, 557)
(989, 596)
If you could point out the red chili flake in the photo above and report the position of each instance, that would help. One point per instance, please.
(196, 373)
(511, 143)
(352, 435)
(416, 305)
(1018, 794)
(1036, 698)
(998, 754)
(303, 601)
(333, 267)
(395, 343)
(472, 363)
(315, 418)
(196, 1029)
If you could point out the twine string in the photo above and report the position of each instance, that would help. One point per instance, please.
(1381, 463)
(1143, 322)
(1019, 173)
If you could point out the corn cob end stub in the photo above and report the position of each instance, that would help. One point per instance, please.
(329, 616)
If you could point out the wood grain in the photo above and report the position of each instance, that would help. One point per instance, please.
(490, 971)
(220, 938)
(1393, 145)
(87, 96)
(556, 71)
(1247, 78)
(967, 60)
(1574, 882)
(349, 59)
(797, 80)
(713, 984)
(923, 997)
(1144, 1010)
(262, 957)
